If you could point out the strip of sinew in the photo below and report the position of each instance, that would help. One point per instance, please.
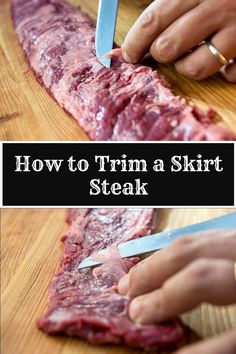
(126, 102)
(85, 303)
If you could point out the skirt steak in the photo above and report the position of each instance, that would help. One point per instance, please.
(85, 303)
(125, 102)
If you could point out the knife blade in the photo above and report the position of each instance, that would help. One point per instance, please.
(160, 240)
(105, 31)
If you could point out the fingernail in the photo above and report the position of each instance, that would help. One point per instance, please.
(135, 309)
(123, 285)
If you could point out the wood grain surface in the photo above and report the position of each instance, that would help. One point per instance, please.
(30, 251)
(27, 112)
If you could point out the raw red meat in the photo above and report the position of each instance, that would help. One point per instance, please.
(85, 302)
(126, 102)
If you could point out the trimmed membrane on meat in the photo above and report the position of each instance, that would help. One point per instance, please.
(125, 102)
(85, 303)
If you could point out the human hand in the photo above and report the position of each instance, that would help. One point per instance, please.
(172, 31)
(194, 269)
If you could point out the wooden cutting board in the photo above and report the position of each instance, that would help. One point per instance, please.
(27, 112)
(30, 255)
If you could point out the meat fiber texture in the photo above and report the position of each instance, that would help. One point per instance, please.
(125, 102)
(85, 302)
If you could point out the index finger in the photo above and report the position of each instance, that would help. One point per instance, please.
(155, 19)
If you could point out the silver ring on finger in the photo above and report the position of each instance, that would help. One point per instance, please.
(217, 54)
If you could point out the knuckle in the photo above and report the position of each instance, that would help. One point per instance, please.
(148, 22)
(193, 70)
(165, 49)
(179, 249)
(200, 270)
(183, 241)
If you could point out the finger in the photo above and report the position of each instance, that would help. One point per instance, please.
(176, 39)
(202, 63)
(151, 273)
(203, 280)
(157, 17)
(229, 72)
(223, 344)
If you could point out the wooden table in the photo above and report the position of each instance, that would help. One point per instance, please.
(30, 255)
(27, 112)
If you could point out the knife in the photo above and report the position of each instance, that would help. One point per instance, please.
(160, 240)
(105, 31)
